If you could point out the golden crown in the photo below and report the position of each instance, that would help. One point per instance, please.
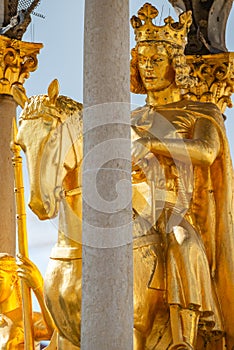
(173, 32)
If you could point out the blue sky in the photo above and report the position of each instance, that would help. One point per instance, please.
(61, 32)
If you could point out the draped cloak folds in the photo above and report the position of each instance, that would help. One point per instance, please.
(212, 207)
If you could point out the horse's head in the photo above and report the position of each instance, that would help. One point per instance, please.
(48, 128)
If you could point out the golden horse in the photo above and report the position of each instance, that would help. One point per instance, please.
(50, 133)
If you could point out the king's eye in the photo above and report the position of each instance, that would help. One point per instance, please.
(157, 60)
(142, 59)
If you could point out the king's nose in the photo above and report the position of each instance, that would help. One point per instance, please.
(149, 64)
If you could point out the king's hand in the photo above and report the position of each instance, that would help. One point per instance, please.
(140, 148)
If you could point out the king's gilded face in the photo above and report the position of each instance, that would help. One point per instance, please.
(155, 67)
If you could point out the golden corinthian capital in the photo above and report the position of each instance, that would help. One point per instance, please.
(215, 79)
(17, 60)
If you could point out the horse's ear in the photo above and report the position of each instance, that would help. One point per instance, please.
(53, 91)
(19, 96)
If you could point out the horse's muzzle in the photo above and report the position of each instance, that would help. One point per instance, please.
(40, 209)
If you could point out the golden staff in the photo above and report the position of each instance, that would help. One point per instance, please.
(22, 238)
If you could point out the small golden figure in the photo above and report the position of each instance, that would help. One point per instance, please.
(11, 317)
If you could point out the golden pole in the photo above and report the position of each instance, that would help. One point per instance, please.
(22, 238)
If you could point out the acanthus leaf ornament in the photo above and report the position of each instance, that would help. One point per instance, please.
(18, 60)
(215, 79)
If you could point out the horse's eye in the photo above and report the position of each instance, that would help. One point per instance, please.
(53, 136)
(48, 121)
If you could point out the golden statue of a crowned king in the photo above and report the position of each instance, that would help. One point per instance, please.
(181, 177)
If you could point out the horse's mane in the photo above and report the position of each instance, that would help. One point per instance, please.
(67, 112)
(67, 105)
(63, 108)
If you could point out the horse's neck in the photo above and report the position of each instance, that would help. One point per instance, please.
(70, 223)
(70, 211)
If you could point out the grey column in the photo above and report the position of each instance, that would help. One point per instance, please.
(7, 200)
(107, 282)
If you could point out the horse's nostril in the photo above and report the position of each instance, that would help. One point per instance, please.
(30, 205)
(58, 193)
(41, 209)
(47, 206)
(33, 205)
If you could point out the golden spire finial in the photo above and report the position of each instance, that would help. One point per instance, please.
(172, 32)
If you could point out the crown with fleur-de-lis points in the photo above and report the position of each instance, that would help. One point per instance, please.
(172, 32)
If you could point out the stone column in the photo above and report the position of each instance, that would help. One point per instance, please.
(7, 204)
(17, 60)
(107, 295)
